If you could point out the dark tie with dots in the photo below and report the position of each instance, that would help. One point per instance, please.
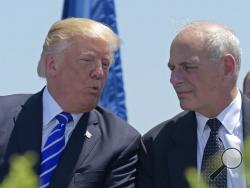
(211, 160)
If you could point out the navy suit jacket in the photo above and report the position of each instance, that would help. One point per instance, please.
(108, 159)
(171, 147)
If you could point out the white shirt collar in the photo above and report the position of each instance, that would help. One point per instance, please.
(229, 117)
(51, 108)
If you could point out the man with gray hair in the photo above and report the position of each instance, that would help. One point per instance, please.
(246, 85)
(78, 143)
(204, 63)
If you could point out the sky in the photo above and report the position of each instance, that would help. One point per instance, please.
(146, 28)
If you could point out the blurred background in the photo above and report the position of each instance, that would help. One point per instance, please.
(146, 29)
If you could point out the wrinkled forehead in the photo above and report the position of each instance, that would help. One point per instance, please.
(248, 80)
(186, 44)
(89, 44)
(90, 47)
(186, 47)
(189, 37)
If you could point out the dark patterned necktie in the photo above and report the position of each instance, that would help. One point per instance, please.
(211, 160)
(53, 148)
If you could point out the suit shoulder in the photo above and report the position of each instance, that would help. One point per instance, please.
(114, 122)
(11, 101)
(167, 127)
(121, 136)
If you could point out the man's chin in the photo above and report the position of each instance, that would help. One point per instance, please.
(185, 106)
(86, 107)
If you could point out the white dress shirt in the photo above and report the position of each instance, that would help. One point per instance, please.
(231, 134)
(50, 109)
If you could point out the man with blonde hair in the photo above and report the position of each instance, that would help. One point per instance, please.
(78, 143)
(204, 63)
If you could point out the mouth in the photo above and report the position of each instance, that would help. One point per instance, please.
(94, 89)
(183, 94)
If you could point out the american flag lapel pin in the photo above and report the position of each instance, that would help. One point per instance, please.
(88, 134)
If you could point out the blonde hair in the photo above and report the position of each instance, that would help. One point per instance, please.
(68, 28)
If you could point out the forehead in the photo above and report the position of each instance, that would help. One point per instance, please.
(188, 40)
(89, 45)
(186, 46)
(248, 81)
(183, 53)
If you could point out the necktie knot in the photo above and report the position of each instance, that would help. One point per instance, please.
(214, 124)
(64, 118)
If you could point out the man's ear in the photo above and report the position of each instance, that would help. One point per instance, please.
(229, 64)
(50, 65)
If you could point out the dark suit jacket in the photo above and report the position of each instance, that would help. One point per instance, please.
(106, 160)
(171, 147)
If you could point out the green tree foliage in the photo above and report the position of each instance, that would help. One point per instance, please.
(193, 179)
(247, 160)
(21, 173)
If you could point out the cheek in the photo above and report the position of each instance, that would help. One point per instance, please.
(105, 73)
(81, 75)
(204, 82)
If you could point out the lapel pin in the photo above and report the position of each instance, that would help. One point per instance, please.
(88, 134)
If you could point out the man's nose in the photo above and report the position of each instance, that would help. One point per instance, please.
(97, 71)
(176, 78)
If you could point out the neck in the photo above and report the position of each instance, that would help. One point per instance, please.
(220, 104)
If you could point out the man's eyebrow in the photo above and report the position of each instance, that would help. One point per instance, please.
(87, 53)
(192, 61)
(187, 63)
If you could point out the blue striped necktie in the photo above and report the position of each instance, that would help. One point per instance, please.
(53, 148)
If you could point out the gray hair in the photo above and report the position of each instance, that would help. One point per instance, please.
(68, 28)
(222, 41)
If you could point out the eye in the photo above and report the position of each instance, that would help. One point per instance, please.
(188, 67)
(105, 63)
(86, 59)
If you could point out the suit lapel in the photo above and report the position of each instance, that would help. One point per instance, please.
(185, 143)
(246, 126)
(246, 116)
(77, 149)
(91, 138)
(184, 149)
(26, 135)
